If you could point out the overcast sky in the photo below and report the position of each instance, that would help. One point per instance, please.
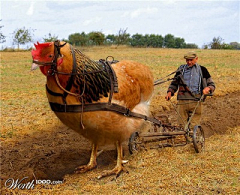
(195, 21)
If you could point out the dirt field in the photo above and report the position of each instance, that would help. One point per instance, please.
(38, 146)
(53, 155)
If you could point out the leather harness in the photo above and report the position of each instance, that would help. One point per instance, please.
(89, 107)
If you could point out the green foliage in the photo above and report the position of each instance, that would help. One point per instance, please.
(78, 39)
(137, 40)
(226, 46)
(169, 41)
(205, 46)
(217, 43)
(157, 41)
(154, 40)
(174, 42)
(110, 39)
(191, 46)
(96, 38)
(180, 42)
(22, 36)
(235, 45)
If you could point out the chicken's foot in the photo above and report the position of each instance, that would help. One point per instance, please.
(119, 167)
(92, 162)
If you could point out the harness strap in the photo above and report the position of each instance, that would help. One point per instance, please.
(42, 63)
(71, 79)
(52, 92)
(57, 53)
(112, 77)
(56, 107)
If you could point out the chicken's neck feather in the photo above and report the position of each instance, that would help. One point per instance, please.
(93, 86)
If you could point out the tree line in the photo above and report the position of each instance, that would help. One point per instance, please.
(136, 40)
(22, 36)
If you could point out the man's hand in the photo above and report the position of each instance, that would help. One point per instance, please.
(206, 90)
(168, 96)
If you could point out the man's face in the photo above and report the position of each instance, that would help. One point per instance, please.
(191, 62)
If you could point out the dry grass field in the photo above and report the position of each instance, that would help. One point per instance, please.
(36, 145)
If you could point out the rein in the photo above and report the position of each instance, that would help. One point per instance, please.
(160, 81)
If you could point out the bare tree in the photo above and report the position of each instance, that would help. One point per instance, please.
(216, 43)
(2, 37)
(122, 37)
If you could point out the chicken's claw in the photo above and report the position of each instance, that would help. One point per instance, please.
(92, 163)
(116, 171)
(85, 168)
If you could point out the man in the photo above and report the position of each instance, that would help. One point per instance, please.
(191, 81)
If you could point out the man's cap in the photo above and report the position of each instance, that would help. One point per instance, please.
(190, 55)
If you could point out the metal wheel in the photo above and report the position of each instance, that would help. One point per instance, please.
(134, 140)
(198, 138)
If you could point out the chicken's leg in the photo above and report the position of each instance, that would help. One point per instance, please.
(92, 162)
(119, 167)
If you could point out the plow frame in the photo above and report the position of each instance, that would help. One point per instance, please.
(169, 134)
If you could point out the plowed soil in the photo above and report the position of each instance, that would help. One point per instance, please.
(57, 153)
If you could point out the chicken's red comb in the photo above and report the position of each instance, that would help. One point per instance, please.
(42, 45)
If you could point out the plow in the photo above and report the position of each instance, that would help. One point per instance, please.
(167, 135)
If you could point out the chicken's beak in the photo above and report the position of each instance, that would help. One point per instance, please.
(34, 66)
(33, 52)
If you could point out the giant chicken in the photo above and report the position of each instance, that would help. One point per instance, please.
(94, 98)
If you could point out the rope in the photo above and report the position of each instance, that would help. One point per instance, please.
(61, 87)
(160, 81)
(79, 96)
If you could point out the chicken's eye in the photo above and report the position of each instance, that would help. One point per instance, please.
(50, 56)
